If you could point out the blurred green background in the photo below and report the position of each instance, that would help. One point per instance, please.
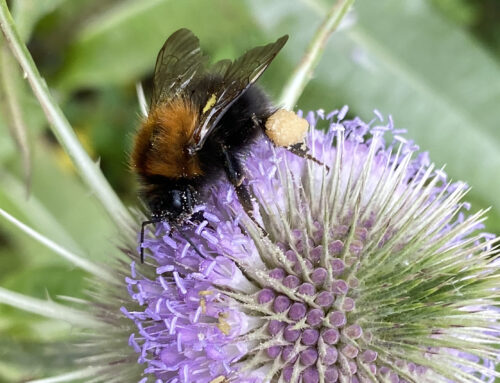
(432, 64)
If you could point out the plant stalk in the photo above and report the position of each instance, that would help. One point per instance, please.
(86, 167)
(305, 69)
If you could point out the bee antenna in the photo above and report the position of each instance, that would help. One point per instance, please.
(144, 224)
(188, 240)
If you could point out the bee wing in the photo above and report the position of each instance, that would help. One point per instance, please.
(236, 76)
(178, 62)
(220, 67)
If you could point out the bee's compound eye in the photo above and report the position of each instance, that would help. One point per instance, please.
(180, 203)
(176, 202)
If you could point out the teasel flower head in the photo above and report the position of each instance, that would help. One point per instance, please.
(371, 271)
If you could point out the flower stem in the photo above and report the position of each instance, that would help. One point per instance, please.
(304, 70)
(48, 309)
(77, 260)
(13, 111)
(62, 129)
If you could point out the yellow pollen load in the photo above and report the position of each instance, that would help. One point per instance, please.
(210, 103)
(284, 128)
(205, 292)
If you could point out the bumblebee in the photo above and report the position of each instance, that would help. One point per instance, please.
(201, 122)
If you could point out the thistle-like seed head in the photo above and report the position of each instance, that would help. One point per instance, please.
(370, 272)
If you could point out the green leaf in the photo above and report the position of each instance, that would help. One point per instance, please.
(121, 45)
(27, 13)
(27, 360)
(404, 59)
(61, 201)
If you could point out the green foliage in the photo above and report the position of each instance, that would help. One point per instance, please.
(423, 62)
(121, 44)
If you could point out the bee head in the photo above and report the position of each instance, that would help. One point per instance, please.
(173, 204)
(167, 201)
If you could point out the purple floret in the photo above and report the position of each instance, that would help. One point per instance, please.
(231, 305)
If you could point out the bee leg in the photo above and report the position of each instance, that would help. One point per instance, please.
(232, 167)
(301, 150)
(235, 175)
(246, 201)
(257, 122)
(186, 238)
(197, 217)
